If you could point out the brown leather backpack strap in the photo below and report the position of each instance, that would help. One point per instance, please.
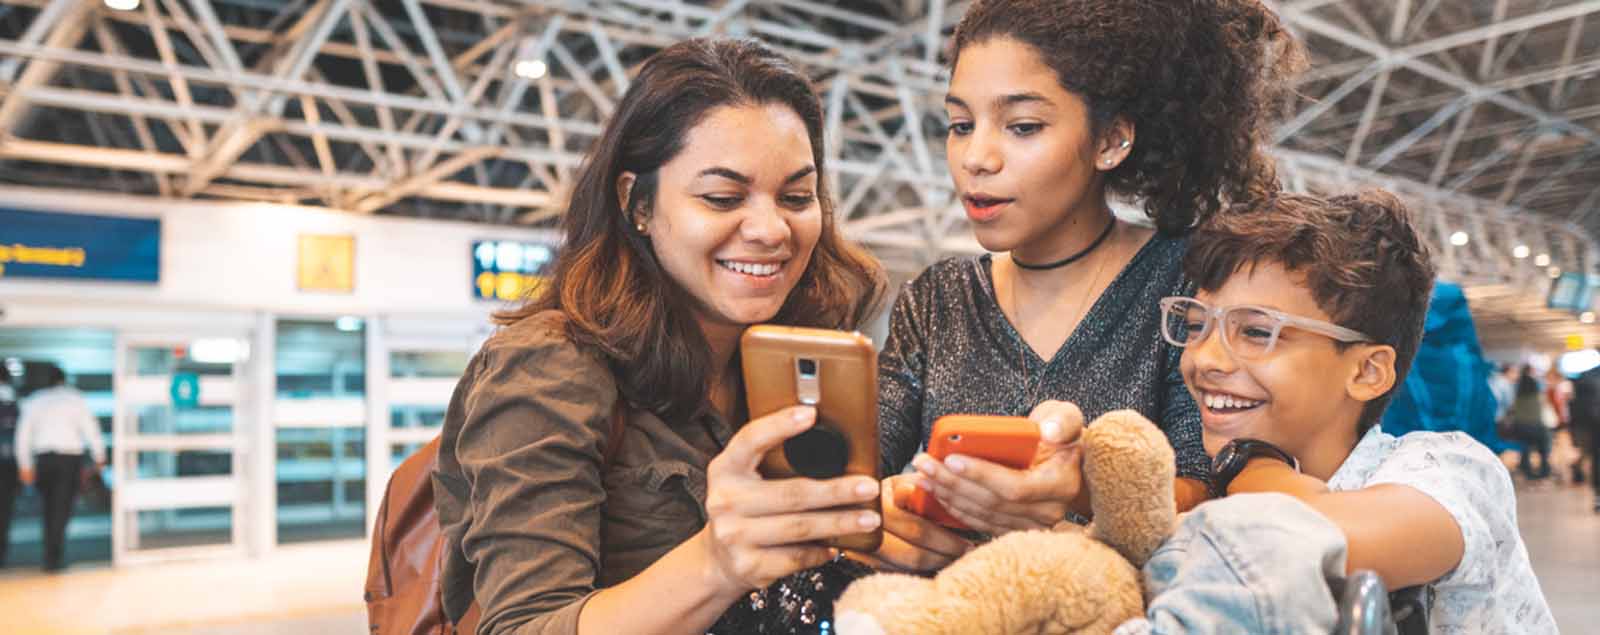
(619, 425)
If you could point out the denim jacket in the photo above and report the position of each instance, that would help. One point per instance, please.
(1248, 563)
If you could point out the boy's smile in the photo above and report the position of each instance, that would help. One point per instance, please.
(1296, 397)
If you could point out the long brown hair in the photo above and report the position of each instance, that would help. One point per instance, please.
(607, 281)
(1198, 79)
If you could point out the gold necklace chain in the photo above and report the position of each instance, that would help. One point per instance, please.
(1022, 343)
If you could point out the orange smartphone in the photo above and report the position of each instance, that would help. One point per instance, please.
(1008, 441)
(837, 373)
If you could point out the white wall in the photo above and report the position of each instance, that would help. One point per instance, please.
(226, 257)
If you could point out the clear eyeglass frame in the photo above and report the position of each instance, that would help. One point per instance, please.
(1250, 332)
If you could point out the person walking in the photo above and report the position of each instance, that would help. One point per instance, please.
(9, 482)
(1527, 418)
(55, 427)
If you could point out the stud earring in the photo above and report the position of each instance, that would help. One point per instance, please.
(1126, 143)
(639, 227)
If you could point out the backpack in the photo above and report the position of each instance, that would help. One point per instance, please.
(403, 591)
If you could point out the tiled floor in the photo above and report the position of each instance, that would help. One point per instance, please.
(316, 589)
(301, 589)
(1562, 532)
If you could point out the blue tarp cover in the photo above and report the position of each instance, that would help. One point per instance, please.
(1448, 386)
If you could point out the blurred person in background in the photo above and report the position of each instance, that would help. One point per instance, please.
(55, 427)
(1556, 412)
(1585, 418)
(1504, 386)
(1557, 392)
(9, 483)
(1527, 420)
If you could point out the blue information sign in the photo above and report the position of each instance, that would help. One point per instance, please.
(185, 391)
(79, 246)
(509, 270)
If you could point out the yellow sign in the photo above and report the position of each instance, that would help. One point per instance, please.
(1575, 342)
(507, 285)
(327, 263)
(26, 255)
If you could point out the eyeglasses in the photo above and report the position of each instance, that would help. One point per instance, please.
(1249, 332)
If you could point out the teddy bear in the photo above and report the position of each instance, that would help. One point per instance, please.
(1070, 580)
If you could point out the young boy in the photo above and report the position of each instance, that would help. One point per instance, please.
(1307, 316)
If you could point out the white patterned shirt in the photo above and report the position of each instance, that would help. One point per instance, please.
(1493, 589)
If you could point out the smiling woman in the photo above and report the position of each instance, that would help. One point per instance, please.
(699, 212)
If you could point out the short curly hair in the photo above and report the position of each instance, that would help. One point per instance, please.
(1362, 259)
(1198, 79)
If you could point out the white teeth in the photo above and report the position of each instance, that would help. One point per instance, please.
(1228, 402)
(750, 268)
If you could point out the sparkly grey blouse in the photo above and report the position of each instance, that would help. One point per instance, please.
(952, 351)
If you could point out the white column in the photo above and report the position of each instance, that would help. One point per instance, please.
(260, 469)
(377, 416)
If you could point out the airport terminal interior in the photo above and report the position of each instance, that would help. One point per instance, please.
(299, 216)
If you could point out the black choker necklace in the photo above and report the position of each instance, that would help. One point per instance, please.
(1069, 259)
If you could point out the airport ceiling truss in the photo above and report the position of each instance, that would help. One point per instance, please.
(1482, 113)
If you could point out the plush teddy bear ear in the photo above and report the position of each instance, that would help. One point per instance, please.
(884, 604)
(1129, 466)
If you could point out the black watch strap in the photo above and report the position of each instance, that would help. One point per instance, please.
(1230, 461)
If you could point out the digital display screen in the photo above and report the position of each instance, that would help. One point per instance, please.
(1572, 292)
(509, 270)
(79, 246)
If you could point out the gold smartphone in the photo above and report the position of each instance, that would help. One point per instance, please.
(837, 373)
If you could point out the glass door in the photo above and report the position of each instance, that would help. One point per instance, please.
(179, 447)
(319, 418)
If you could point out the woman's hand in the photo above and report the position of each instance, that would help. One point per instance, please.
(911, 542)
(759, 530)
(995, 499)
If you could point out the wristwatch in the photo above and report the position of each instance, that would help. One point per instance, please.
(1232, 458)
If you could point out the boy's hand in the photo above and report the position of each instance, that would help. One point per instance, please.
(995, 499)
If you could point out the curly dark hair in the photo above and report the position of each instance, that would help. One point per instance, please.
(1363, 261)
(616, 296)
(1197, 79)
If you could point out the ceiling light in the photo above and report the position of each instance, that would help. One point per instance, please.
(530, 69)
(1520, 252)
(1459, 238)
(122, 5)
(1541, 260)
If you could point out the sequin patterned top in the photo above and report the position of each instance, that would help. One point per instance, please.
(952, 351)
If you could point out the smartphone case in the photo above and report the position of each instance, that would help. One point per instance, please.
(847, 378)
(1008, 441)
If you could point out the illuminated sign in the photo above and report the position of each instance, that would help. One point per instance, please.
(327, 263)
(509, 270)
(80, 246)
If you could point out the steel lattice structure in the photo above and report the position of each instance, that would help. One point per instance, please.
(1481, 113)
